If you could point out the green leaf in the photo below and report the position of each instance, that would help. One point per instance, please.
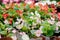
(25, 29)
(50, 33)
(27, 7)
(37, 8)
(21, 6)
(11, 12)
(33, 31)
(16, 7)
(3, 32)
(2, 26)
(49, 10)
(3, 5)
(48, 29)
(0, 16)
(10, 34)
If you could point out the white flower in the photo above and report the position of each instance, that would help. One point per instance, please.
(25, 37)
(58, 23)
(8, 29)
(48, 2)
(52, 18)
(6, 22)
(41, 29)
(29, 1)
(43, 3)
(14, 31)
(54, 2)
(19, 26)
(32, 17)
(38, 33)
(17, 22)
(51, 21)
(57, 28)
(38, 21)
(14, 37)
(36, 4)
(32, 13)
(37, 14)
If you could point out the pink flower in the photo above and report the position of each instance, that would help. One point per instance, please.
(11, 1)
(22, 33)
(38, 33)
(59, 16)
(5, 1)
(16, 1)
(14, 31)
(58, 23)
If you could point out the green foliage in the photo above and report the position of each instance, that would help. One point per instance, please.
(0, 16)
(25, 29)
(29, 20)
(44, 15)
(3, 32)
(48, 29)
(2, 29)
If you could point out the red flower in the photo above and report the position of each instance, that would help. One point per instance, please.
(53, 9)
(44, 8)
(5, 16)
(58, 3)
(10, 20)
(32, 5)
(59, 16)
(20, 12)
(52, 6)
(40, 5)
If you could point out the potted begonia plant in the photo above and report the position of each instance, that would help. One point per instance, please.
(38, 22)
(4, 33)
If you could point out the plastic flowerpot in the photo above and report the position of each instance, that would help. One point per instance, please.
(5, 38)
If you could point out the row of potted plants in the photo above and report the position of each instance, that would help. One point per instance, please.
(29, 20)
